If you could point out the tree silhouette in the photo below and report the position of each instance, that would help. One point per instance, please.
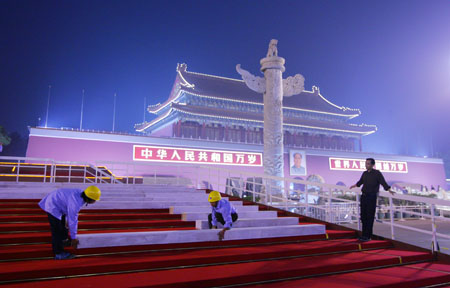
(17, 145)
(4, 138)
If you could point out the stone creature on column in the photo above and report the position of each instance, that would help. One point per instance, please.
(292, 85)
(273, 51)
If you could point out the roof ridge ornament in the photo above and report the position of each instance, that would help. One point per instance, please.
(315, 90)
(181, 67)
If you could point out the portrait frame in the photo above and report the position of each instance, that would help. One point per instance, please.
(302, 170)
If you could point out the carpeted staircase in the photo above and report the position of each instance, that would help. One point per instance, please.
(334, 259)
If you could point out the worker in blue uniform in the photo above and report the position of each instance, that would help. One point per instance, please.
(222, 212)
(63, 205)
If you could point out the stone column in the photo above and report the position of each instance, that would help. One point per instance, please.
(274, 88)
(273, 68)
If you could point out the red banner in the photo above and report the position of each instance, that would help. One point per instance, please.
(197, 156)
(360, 165)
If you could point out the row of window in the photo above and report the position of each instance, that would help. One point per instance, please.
(256, 109)
(240, 134)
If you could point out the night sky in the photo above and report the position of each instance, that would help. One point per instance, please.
(391, 59)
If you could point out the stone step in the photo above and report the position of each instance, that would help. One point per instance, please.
(204, 216)
(148, 204)
(158, 199)
(40, 194)
(165, 190)
(161, 190)
(51, 186)
(189, 236)
(109, 189)
(103, 188)
(207, 209)
(156, 194)
(252, 222)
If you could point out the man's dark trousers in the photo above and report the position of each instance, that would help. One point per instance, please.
(59, 232)
(219, 217)
(368, 207)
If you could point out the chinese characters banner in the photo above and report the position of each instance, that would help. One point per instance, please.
(360, 165)
(185, 155)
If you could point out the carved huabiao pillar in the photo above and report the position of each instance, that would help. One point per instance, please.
(273, 67)
(274, 87)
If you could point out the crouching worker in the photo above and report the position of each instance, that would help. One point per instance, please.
(222, 212)
(64, 204)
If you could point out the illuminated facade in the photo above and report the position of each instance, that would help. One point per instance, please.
(211, 120)
(210, 107)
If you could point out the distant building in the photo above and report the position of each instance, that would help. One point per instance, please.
(211, 107)
(218, 121)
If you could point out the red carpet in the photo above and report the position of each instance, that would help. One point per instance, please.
(20, 200)
(416, 275)
(18, 205)
(22, 222)
(250, 272)
(44, 250)
(167, 259)
(331, 260)
(99, 225)
(93, 216)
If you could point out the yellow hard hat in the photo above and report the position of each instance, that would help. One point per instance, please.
(214, 196)
(93, 192)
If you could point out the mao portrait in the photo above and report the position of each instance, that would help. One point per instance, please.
(297, 162)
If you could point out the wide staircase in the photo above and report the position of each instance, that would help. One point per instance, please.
(157, 236)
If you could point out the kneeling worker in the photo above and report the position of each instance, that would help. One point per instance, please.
(62, 203)
(222, 211)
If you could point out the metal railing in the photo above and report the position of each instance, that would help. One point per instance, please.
(330, 203)
(21, 169)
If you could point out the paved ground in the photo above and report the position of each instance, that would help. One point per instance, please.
(412, 237)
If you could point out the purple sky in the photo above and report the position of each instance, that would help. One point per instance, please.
(391, 59)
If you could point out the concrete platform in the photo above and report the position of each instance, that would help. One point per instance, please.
(133, 197)
(165, 198)
(252, 222)
(167, 237)
(252, 214)
(147, 204)
(39, 190)
(207, 209)
(192, 204)
(156, 194)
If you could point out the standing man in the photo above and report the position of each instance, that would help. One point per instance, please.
(66, 203)
(371, 180)
(222, 211)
